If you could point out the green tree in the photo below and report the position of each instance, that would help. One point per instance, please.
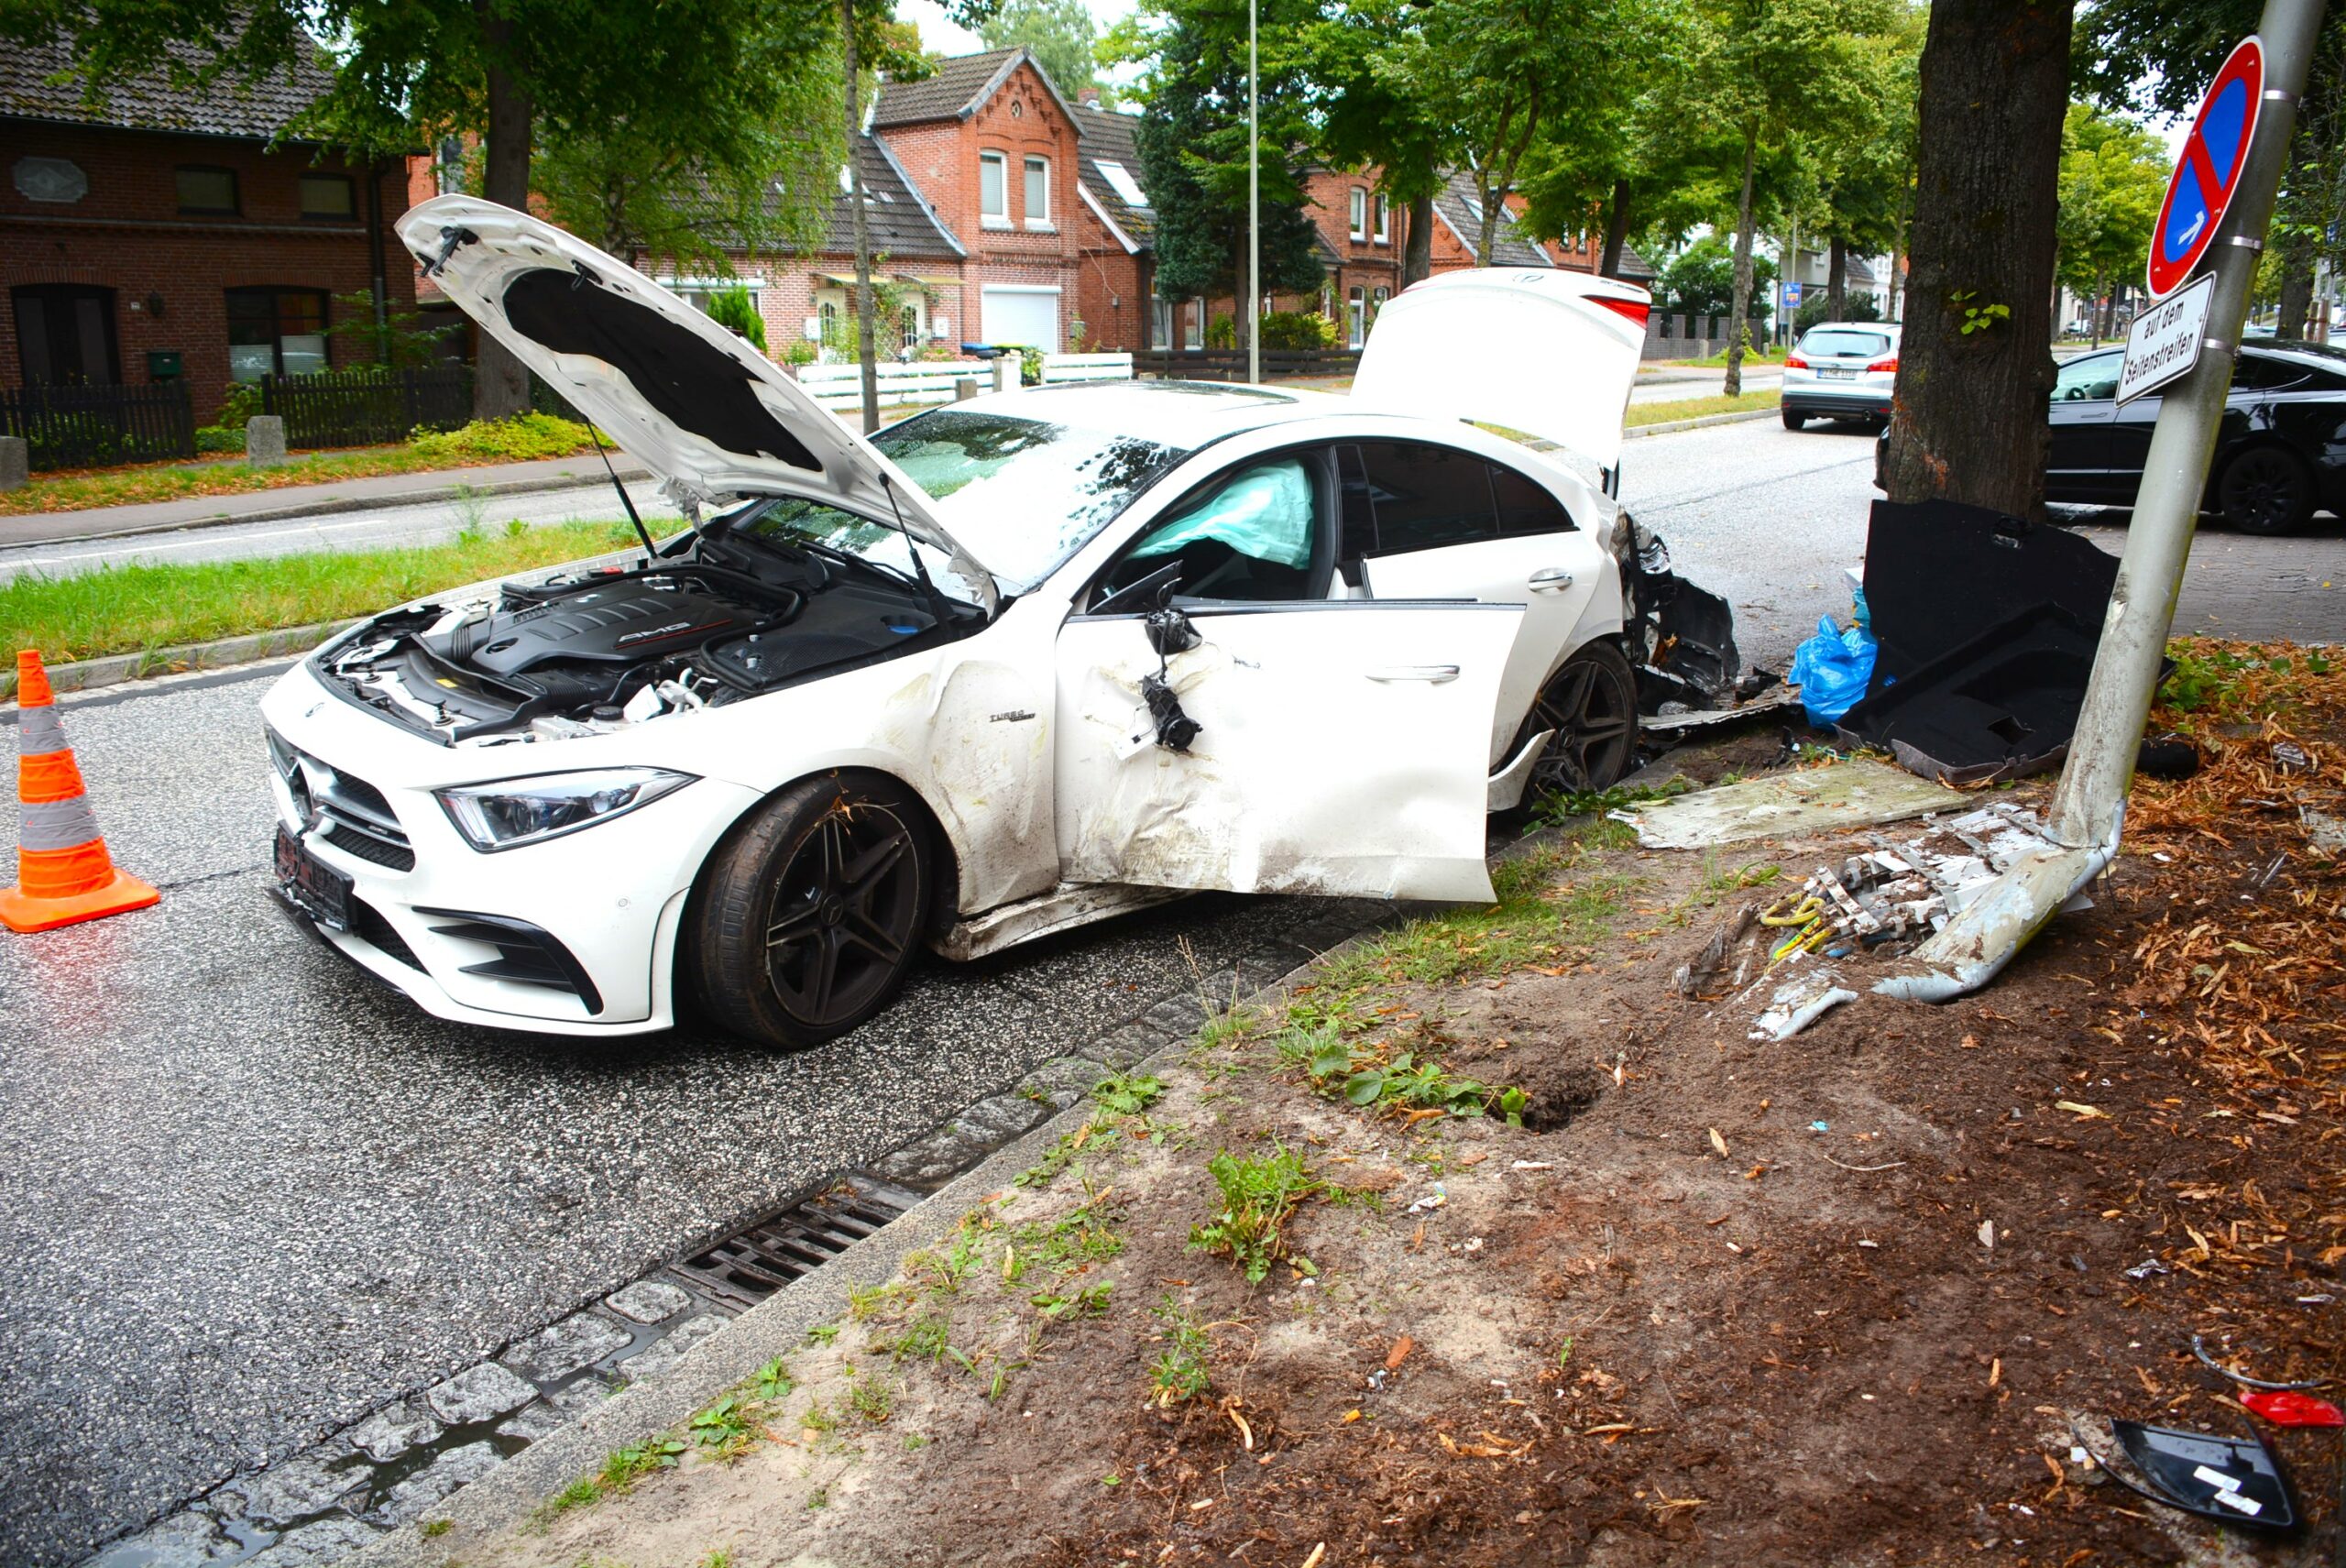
(1192, 142)
(1372, 113)
(1060, 35)
(733, 310)
(691, 81)
(1865, 165)
(1700, 279)
(2113, 176)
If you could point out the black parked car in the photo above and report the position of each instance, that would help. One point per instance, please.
(2280, 457)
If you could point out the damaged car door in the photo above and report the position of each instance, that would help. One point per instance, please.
(1223, 724)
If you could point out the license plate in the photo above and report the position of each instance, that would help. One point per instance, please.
(322, 892)
(1838, 375)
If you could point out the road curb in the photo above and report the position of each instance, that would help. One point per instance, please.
(1666, 426)
(325, 508)
(116, 669)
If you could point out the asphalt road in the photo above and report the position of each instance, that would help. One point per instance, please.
(245, 1197)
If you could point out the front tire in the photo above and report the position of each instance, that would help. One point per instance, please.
(1591, 701)
(813, 913)
(2266, 490)
(1794, 419)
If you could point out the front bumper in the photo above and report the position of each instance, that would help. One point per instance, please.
(576, 935)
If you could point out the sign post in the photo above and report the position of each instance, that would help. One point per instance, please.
(2231, 164)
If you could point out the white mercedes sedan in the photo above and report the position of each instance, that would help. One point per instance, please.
(1015, 664)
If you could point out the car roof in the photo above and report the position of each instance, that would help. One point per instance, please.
(2327, 355)
(1887, 328)
(1180, 413)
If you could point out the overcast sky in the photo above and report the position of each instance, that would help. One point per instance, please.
(946, 39)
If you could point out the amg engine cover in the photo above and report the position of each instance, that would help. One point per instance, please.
(625, 623)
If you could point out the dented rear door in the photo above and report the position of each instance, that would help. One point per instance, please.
(1341, 749)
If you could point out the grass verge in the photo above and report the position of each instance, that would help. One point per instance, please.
(1698, 408)
(525, 439)
(127, 609)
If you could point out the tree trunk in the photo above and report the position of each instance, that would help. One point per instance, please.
(866, 359)
(1836, 280)
(1616, 231)
(1739, 313)
(1969, 416)
(2296, 285)
(1416, 254)
(2096, 322)
(500, 382)
(1488, 233)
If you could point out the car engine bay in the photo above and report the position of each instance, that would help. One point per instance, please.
(728, 616)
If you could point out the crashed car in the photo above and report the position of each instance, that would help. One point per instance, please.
(1015, 664)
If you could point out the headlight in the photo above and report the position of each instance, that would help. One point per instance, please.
(513, 812)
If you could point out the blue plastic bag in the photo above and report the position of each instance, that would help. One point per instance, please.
(1831, 669)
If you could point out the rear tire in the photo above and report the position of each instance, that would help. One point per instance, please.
(1794, 419)
(1591, 701)
(2267, 490)
(811, 916)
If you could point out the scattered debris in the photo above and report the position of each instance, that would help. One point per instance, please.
(1798, 1003)
(2234, 1479)
(2199, 1349)
(1853, 794)
(2286, 1407)
(2149, 1269)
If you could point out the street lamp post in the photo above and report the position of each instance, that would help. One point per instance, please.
(1254, 213)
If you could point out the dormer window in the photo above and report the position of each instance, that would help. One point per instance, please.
(1359, 214)
(994, 189)
(1039, 193)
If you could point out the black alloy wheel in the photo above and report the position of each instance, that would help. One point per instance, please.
(813, 914)
(2267, 489)
(1591, 701)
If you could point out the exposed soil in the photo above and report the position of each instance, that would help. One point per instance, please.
(1720, 1301)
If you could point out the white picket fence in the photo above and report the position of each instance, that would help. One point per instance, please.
(839, 387)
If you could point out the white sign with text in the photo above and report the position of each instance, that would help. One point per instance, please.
(2163, 342)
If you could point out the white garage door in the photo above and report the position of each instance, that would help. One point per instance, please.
(1027, 317)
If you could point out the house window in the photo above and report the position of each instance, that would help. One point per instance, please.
(65, 334)
(910, 326)
(1384, 222)
(1356, 318)
(276, 332)
(1377, 302)
(204, 189)
(448, 167)
(1039, 193)
(994, 189)
(327, 196)
(1328, 300)
(1161, 328)
(1359, 214)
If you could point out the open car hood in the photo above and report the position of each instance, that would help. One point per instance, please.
(1546, 352)
(699, 407)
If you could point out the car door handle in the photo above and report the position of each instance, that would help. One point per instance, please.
(1551, 580)
(1434, 675)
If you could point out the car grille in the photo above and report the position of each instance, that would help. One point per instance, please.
(352, 814)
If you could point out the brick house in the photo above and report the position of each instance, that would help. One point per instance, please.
(162, 234)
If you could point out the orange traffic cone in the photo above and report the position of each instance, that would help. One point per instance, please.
(64, 871)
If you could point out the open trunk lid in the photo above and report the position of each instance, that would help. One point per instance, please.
(699, 406)
(1546, 352)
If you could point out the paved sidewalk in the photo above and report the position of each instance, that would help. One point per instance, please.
(310, 500)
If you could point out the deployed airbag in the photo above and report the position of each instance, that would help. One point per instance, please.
(1264, 514)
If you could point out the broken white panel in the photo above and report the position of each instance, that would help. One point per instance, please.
(1800, 1002)
(1854, 794)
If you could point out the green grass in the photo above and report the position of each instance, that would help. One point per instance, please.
(1718, 361)
(525, 438)
(1181, 1373)
(1697, 408)
(129, 609)
(622, 1468)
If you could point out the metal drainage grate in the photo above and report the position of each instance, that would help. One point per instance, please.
(748, 1267)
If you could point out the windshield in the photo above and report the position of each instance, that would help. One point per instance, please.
(1020, 494)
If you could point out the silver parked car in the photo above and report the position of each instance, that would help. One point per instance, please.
(1841, 370)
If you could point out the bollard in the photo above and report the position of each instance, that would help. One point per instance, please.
(964, 388)
(265, 441)
(16, 462)
(1005, 373)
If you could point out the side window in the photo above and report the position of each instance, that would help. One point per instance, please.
(1426, 497)
(2255, 373)
(2093, 376)
(1253, 535)
(1526, 506)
